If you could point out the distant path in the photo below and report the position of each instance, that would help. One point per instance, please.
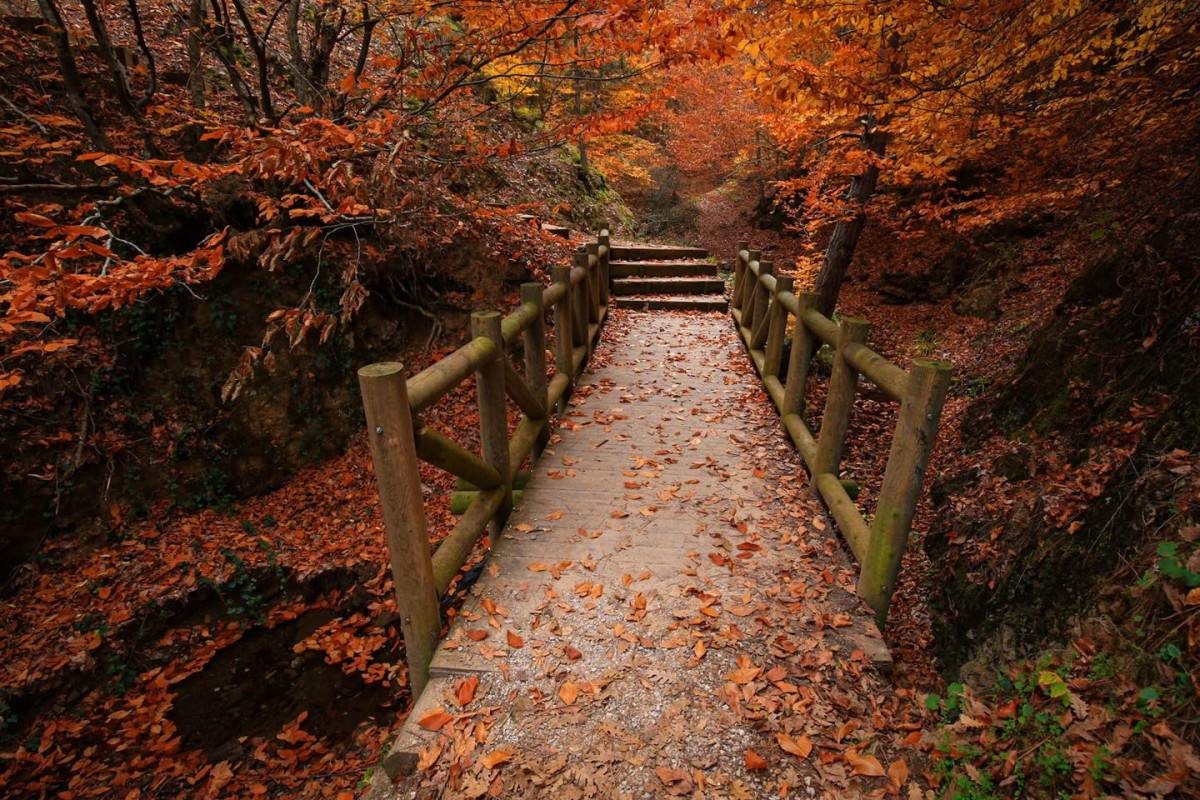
(668, 534)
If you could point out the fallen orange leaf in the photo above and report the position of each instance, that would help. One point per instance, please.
(435, 720)
(799, 746)
(864, 765)
(464, 690)
(497, 757)
(754, 760)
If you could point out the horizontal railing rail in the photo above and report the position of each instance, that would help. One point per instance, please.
(761, 306)
(578, 300)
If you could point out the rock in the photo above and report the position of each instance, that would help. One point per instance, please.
(981, 301)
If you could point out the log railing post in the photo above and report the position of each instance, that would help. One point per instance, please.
(916, 428)
(534, 342)
(777, 328)
(594, 282)
(564, 334)
(739, 276)
(579, 311)
(749, 295)
(605, 241)
(493, 409)
(394, 454)
(762, 296)
(840, 401)
(803, 346)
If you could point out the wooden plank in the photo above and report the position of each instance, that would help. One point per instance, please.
(635, 286)
(663, 269)
(657, 252)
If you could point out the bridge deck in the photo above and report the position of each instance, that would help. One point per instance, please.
(663, 598)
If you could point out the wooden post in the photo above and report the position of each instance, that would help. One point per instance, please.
(493, 409)
(579, 311)
(534, 341)
(777, 328)
(605, 241)
(840, 401)
(749, 293)
(593, 281)
(800, 359)
(762, 296)
(564, 334)
(739, 276)
(394, 454)
(916, 429)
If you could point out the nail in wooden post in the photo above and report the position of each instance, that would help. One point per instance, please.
(493, 409)
(605, 241)
(394, 454)
(800, 359)
(534, 341)
(916, 429)
(564, 333)
(762, 296)
(777, 328)
(739, 276)
(840, 401)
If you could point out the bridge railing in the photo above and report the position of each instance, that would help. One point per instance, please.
(578, 297)
(761, 306)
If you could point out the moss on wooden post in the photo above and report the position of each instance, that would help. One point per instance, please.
(916, 429)
(840, 401)
(394, 454)
(534, 341)
(564, 328)
(776, 328)
(803, 346)
(493, 409)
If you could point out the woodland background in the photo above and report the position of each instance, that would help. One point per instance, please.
(215, 210)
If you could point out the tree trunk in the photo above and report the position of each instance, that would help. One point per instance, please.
(259, 46)
(109, 56)
(70, 74)
(299, 63)
(845, 236)
(196, 53)
(139, 33)
(225, 48)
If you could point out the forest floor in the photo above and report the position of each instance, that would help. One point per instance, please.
(669, 611)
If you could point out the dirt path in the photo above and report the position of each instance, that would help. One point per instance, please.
(668, 613)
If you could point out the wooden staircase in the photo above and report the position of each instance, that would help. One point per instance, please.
(649, 277)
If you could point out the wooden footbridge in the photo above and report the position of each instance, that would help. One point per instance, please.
(663, 529)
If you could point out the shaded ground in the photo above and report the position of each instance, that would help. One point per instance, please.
(669, 610)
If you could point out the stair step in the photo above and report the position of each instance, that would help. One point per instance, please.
(637, 286)
(640, 252)
(661, 269)
(678, 302)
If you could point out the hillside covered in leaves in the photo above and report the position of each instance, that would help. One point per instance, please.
(215, 211)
